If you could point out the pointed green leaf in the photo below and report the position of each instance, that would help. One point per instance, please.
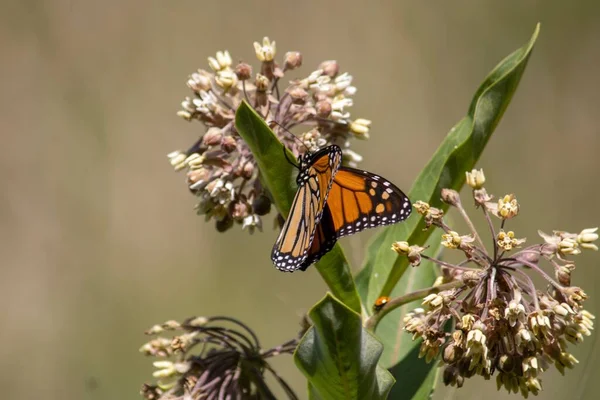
(279, 177)
(339, 357)
(458, 153)
(416, 378)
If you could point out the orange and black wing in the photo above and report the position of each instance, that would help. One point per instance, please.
(359, 200)
(323, 241)
(295, 241)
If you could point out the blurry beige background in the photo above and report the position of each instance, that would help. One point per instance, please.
(99, 239)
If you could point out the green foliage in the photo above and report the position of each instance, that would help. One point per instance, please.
(384, 269)
(339, 357)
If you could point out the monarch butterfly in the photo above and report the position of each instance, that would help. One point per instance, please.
(333, 201)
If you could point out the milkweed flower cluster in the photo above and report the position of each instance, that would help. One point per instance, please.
(212, 358)
(220, 168)
(500, 321)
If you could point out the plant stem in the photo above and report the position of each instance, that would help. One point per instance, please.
(465, 216)
(373, 320)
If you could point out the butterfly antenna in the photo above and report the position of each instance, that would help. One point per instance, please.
(292, 135)
(285, 154)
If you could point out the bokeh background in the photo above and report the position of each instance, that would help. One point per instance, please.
(98, 237)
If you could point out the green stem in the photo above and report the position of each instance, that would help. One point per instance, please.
(373, 320)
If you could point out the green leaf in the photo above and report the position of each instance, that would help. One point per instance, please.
(279, 177)
(417, 379)
(458, 153)
(339, 357)
(312, 393)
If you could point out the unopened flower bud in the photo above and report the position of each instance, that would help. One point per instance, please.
(248, 170)
(471, 278)
(156, 329)
(323, 108)
(506, 363)
(224, 224)
(452, 376)
(212, 137)
(449, 355)
(197, 175)
(261, 82)
(261, 205)
(292, 60)
(298, 95)
(197, 322)
(228, 144)
(563, 275)
(451, 197)
(330, 68)
(243, 71)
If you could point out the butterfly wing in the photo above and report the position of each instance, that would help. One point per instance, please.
(359, 200)
(295, 241)
(323, 241)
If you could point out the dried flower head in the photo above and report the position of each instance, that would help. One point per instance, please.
(502, 322)
(216, 357)
(221, 170)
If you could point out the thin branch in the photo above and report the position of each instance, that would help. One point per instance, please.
(373, 320)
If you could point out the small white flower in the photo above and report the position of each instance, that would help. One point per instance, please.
(226, 79)
(343, 81)
(266, 51)
(323, 85)
(530, 367)
(360, 127)
(188, 105)
(224, 59)
(352, 158)
(515, 312)
(177, 160)
(476, 347)
(222, 191)
(586, 239)
(433, 301)
(339, 102)
(251, 222)
(199, 81)
(339, 116)
(206, 103)
(568, 246)
(475, 178)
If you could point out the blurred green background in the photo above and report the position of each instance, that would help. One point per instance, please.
(99, 239)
